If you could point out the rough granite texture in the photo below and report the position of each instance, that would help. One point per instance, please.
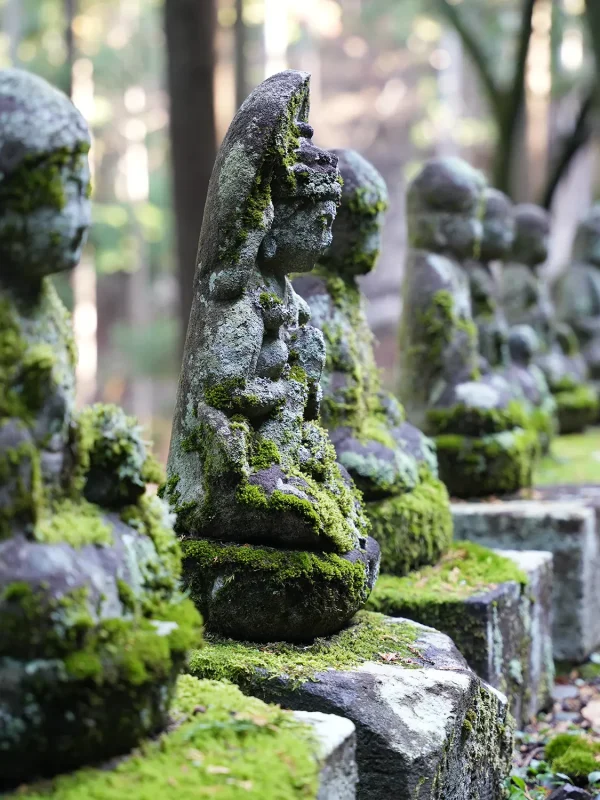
(577, 292)
(220, 743)
(249, 464)
(392, 462)
(94, 627)
(500, 624)
(426, 727)
(484, 442)
(526, 300)
(570, 532)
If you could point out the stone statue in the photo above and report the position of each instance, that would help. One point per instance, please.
(391, 461)
(497, 238)
(478, 426)
(94, 628)
(509, 354)
(275, 538)
(577, 293)
(527, 300)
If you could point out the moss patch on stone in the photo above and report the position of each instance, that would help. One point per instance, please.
(367, 638)
(224, 745)
(413, 528)
(467, 569)
(499, 463)
(476, 421)
(76, 524)
(577, 408)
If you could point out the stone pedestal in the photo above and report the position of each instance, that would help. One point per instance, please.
(501, 626)
(211, 749)
(566, 529)
(426, 726)
(337, 741)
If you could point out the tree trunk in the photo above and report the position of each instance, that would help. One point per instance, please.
(70, 43)
(189, 26)
(241, 81)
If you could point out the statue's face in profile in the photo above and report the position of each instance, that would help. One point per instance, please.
(444, 232)
(498, 236)
(39, 240)
(299, 235)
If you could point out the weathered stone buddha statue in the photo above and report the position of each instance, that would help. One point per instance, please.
(577, 293)
(391, 461)
(93, 626)
(527, 300)
(509, 355)
(478, 426)
(275, 537)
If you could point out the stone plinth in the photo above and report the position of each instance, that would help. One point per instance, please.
(211, 749)
(426, 726)
(495, 609)
(566, 529)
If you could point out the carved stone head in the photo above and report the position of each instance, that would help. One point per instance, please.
(532, 232)
(444, 208)
(586, 248)
(44, 178)
(524, 344)
(498, 226)
(358, 224)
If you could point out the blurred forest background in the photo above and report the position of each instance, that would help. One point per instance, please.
(510, 85)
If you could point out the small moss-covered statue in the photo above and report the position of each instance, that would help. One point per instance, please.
(577, 293)
(391, 461)
(484, 446)
(93, 627)
(527, 301)
(503, 352)
(275, 537)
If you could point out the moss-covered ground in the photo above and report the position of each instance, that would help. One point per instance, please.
(369, 637)
(222, 744)
(574, 458)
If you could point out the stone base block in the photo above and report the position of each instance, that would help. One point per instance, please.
(501, 623)
(336, 737)
(426, 726)
(211, 749)
(566, 529)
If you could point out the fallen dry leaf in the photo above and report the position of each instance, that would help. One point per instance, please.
(215, 769)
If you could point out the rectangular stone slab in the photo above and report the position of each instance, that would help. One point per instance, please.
(336, 737)
(566, 529)
(429, 729)
(503, 630)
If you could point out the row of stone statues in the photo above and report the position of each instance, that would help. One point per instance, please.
(291, 473)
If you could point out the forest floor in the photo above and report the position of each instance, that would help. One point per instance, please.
(574, 459)
(562, 748)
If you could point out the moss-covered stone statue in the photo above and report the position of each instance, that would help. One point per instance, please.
(275, 537)
(93, 627)
(577, 293)
(511, 355)
(527, 300)
(484, 446)
(390, 460)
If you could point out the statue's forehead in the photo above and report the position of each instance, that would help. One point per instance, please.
(35, 119)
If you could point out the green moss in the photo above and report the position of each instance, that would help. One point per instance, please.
(222, 395)
(437, 324)
(149, 517)
(573, 755)
(75, 523)
(576, 408)
(413, 528)
(27, 496)
(298, 374)
(366, 638)
(477, 421)
(499, 463)
(222, 744)
(38, 181)
(575, 458)
(269, 300)
(264, 454)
